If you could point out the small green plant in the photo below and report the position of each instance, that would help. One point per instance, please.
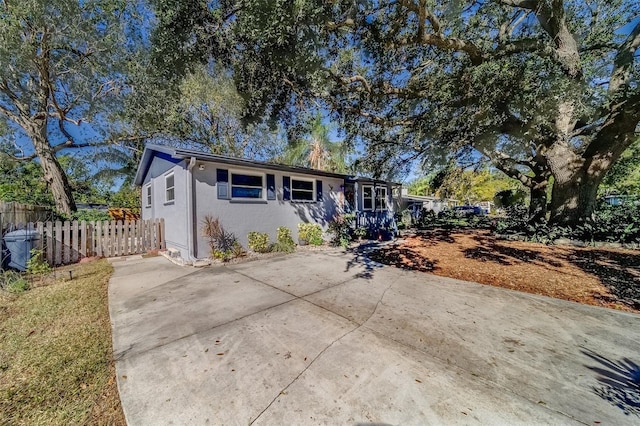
(340, 228)
(238, 250)
(285, 243)
(37, 264)
(311, 233)
(223, 244)
(259, 242)
(406, 219)
(13, 282)
(361, 232)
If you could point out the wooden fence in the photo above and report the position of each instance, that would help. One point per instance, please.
(67, 242)
(19, 214)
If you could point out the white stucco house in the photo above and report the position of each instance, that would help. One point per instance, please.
(183, 186)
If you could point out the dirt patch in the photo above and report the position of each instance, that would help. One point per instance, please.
(593, 276)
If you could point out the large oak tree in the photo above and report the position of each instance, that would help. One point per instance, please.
(541, 88)
(547, 90)
(58, 72)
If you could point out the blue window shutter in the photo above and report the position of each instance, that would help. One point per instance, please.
(286, 188)
(271, 187)
(319, 190)
(222, 178)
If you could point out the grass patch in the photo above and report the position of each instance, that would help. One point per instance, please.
(55, 352)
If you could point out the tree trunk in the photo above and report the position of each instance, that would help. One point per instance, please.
(538, 202)
(54, 175)
(574, 200)
(576, 181)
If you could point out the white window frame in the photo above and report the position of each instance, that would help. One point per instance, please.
(263, 177)
(167, 188)
(313, 190)
(384, 199)
(373, 197)
(147, 196)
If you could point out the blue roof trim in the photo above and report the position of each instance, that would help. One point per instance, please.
(152, 150)
(176, 155)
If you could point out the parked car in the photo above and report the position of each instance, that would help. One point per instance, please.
(468, 211)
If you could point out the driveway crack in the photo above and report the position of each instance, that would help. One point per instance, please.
(302, 372)
(295, 379)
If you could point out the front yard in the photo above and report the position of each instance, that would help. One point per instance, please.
(56, 363)
(594, 276)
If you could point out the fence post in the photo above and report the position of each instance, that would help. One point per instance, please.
(154, 237)
(126, 246)
(98, 238)
(139, 236)
(49, 242)
(162, 241)
(149, 228)
(40, 243)
(58, 243)
(83, 239)
(66, 247)
(112, 238)
(121, 251)
(74, 241)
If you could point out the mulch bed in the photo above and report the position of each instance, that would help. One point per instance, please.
(606, 277)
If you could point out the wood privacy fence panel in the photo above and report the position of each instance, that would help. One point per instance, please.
(68, 242)
(18, 214)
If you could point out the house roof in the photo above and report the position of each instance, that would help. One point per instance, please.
(152, 150)
(360, 179)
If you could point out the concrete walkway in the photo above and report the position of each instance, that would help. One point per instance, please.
(325, 338)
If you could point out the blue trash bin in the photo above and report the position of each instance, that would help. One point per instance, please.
(19, 244)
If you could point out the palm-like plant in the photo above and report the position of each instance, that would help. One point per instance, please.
(317, 151)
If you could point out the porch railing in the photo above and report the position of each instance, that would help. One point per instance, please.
(375, 221)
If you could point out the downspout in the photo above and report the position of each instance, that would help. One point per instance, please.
(191, 223)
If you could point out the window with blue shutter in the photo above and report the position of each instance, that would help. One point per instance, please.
(286, 188)
(302, 190)
(222, 178)
(271, 187)
(318, 190)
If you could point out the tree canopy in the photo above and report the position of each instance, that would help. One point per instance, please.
(547, 91)
(541, 88)
(60, 78)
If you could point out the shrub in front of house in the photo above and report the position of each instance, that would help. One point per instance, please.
(361, 233)
(259, 242)
(405, 219)
(607, 224)
(340, 229)
(285, 243)
(310, 233)
(233, 252)
(223, 245)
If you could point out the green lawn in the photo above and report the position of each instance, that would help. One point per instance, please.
(55, 352)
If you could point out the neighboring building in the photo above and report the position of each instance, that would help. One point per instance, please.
(487, 206)
(183, 186)
(416, 203)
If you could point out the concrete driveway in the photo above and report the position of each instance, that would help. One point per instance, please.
(327, 338)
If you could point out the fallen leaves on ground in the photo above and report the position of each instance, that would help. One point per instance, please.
(593, 276)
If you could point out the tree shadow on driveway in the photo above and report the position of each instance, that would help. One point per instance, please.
(391, 253)
(619, 382)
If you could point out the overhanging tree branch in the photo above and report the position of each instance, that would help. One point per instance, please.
(623, 62)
